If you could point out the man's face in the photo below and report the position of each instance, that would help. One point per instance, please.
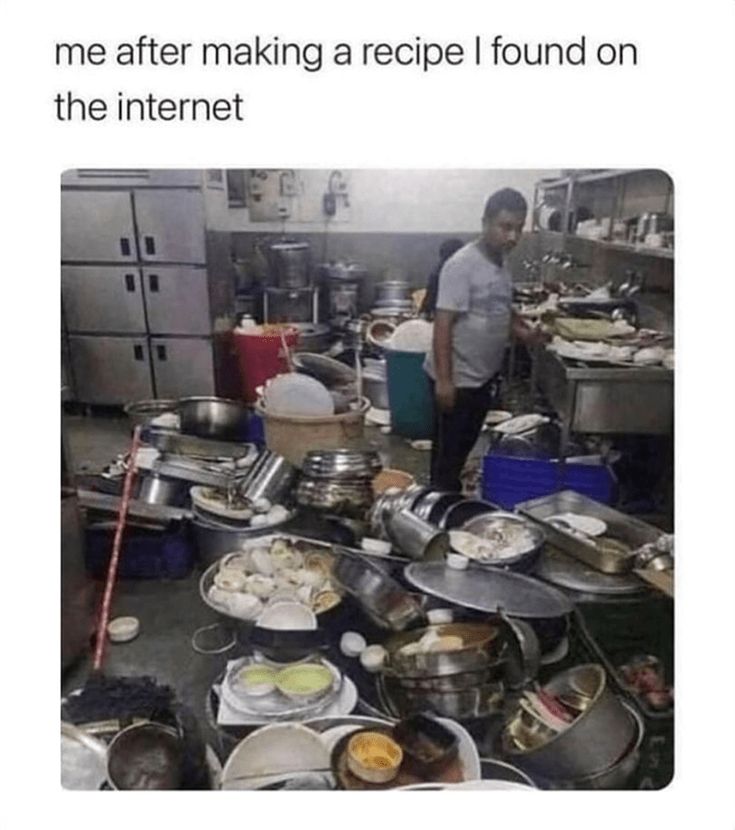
(502, 231)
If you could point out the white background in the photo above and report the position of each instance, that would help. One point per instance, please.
(673, 111)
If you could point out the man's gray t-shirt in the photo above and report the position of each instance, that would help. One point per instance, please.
(482, 293)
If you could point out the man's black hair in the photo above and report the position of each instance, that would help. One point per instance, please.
(505, 199)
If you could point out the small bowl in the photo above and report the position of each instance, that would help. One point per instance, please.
(123, 629)
(257, 681)
(304, 681)
(374, 757)
(287, 616)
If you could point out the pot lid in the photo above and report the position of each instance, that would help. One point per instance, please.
(488, 589)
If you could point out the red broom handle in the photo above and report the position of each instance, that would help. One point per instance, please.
(104, 618)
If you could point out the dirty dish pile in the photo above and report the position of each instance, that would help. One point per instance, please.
(245, 584)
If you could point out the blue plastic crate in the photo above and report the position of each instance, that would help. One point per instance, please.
(145, 554)
(509, 480)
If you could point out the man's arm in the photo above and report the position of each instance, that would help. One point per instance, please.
(446, 392)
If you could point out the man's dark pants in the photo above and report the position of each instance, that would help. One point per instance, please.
(456, 432)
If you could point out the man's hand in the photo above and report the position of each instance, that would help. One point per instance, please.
(446, 396)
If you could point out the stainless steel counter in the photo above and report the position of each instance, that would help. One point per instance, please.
(605, 399)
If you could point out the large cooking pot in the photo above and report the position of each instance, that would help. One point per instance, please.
(487, 645)
(288, 263)
(209, 417)
(392, 292)
(594, 742)
(313, 337)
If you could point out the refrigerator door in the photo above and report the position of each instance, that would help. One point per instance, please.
(97, 226)
(177, 299)
(183, 366)
(110, 370)
(102, 298)
(170, 225)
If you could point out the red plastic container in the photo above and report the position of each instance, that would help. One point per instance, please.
(260, 356)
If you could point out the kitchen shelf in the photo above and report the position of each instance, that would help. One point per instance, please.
(661, 253)
(590, 178)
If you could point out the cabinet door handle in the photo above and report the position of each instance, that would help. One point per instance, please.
(138, 352)
(130, 282)
(150, 244)
(124, 246)
(153, 282)
(161, 352)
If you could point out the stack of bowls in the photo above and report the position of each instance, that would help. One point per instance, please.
(338, 482)
(462, 683)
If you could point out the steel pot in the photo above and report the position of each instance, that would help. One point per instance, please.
(392, 292)
(313, 337)
(375, 387)
(146, 756)
(214, 541)
(342, 464)
(209, 417)
(288, 263)
(616, 776)
(415, 537)
(598, 738)
(482, 644)
(157, 489)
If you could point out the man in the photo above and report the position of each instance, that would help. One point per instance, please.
(446, 249)
(472, 325)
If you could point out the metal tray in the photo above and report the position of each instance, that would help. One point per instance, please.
(489, 590)
(173, 441)
(567, 572)
(627, 529)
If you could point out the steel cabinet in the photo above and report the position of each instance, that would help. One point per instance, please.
(182, 366)
(177, 299)
(170, 225)
(131, 176)
(110, 370)
(97, 227)
(102, 298)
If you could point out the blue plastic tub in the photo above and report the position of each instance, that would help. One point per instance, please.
(508, 480)
(145, 554)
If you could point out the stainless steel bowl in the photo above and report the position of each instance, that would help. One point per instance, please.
(524, 560)
(141, 413)
(212, 417)
(146, 756)
(461, 512)
(598, 738)
(385, 601)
